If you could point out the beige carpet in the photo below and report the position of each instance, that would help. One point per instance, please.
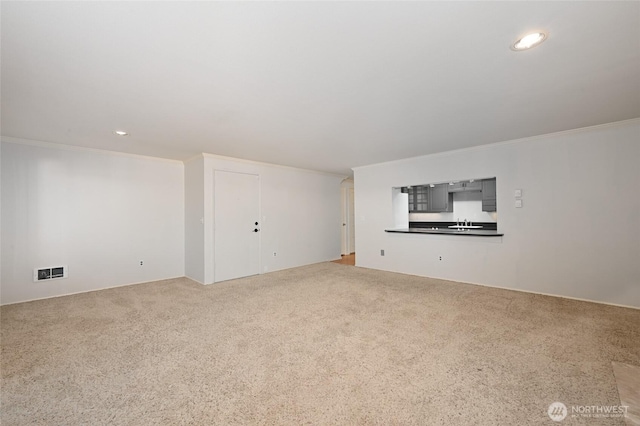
(321, 344)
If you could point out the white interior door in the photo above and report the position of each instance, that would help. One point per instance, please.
(236, 225)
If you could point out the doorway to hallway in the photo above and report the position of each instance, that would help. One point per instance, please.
(348, 222)
(347, 259)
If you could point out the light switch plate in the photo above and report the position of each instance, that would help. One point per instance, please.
(518, 204)
(518, 193)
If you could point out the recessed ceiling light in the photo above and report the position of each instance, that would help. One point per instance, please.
(121, 133)
(529, 41)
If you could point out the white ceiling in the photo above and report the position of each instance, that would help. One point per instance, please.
(318, 85)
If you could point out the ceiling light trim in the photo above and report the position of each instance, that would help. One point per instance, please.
(529, 41)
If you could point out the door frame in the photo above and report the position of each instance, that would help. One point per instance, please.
(347, 225)
(213, 219)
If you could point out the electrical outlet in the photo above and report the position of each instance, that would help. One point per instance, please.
(141, 262)
(439, 257)
(381, 252)
(274, 254)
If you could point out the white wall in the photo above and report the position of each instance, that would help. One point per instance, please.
(194, 218)
(577, 235)
(99, 213)
(300, 212)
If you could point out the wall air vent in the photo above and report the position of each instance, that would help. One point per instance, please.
(52, 273)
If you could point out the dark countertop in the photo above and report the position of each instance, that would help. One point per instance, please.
(447, 231)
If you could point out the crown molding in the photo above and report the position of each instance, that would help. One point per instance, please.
(260, 163)
(52, 145)
(544, 136)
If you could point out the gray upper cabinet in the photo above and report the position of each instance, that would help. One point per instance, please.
(430, 199)
(418, 199)
(456, 187)
(489, 203)
(466, 186)
(440, 199)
